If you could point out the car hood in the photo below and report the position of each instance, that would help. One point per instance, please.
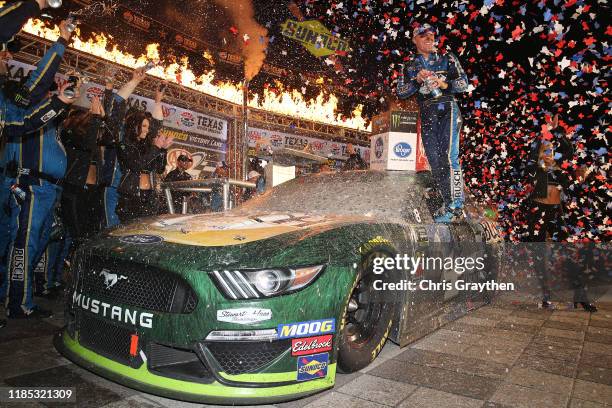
(224, 229)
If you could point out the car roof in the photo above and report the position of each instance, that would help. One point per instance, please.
(385, 195)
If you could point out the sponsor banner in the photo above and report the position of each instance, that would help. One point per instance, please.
(174, 117)
(315, 37)
(311, 345)
(403, 121)
(268, 141)
(244, 316)
(394, 151)
(305, 329)
(312, 367)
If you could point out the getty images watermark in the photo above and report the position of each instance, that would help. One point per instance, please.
(458, 265)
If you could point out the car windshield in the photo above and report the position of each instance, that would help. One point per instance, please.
(384, 195)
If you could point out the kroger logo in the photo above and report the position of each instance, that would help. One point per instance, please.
(141, 239)
(378, 147)
(402, 149)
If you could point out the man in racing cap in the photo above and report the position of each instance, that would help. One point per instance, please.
(435, 78)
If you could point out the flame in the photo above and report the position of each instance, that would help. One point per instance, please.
(285, 103)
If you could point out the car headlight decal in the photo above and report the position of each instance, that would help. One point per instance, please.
(253, 284)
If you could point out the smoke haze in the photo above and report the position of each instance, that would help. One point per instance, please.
(253, 50)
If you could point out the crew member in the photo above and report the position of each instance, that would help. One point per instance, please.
(32, 168)
(183, 163)
(437, 78)
(14, 15)
(354, 162)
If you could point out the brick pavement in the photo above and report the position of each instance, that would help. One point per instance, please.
(501, 355)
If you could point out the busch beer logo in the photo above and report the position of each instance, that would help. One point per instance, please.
(379, 147)
(305, 329)
(187, 119)
(457, 184)
(111, 279)
(402, 150)
(18, 267)
(311, 345)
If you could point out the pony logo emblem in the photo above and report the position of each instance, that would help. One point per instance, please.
(111, 279)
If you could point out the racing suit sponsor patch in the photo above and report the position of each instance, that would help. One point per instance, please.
(312, 367)
(311, 345)
(457, 184)
(48, 116)
(17, 265)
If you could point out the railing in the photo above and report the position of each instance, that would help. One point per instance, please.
(202, 186)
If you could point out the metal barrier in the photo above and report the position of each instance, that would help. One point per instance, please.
(202, 186)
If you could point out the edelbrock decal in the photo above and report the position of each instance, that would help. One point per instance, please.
(305, 329)
(244, 316)
(141, 239)
(312, 367)
(311, 345)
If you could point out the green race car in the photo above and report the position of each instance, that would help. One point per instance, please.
(266, 302)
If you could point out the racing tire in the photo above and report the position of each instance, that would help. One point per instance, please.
(368, 316)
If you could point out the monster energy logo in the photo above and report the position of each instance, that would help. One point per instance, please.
(396, 119)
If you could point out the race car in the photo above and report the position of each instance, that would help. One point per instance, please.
(266, 302)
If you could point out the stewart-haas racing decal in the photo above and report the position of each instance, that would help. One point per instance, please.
(311, 345)
(312, 367)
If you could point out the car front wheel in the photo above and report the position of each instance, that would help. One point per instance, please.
(368, 317)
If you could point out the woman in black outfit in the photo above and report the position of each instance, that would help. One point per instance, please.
(80, 202)
(142, 154)
(544, 210)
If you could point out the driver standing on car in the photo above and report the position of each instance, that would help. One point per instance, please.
(437, 78)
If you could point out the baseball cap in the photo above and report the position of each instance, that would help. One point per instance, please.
(184, 157)
(424, 28)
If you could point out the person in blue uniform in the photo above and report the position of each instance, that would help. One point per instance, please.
(33, 167)
(435, 79)
(13, 15)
